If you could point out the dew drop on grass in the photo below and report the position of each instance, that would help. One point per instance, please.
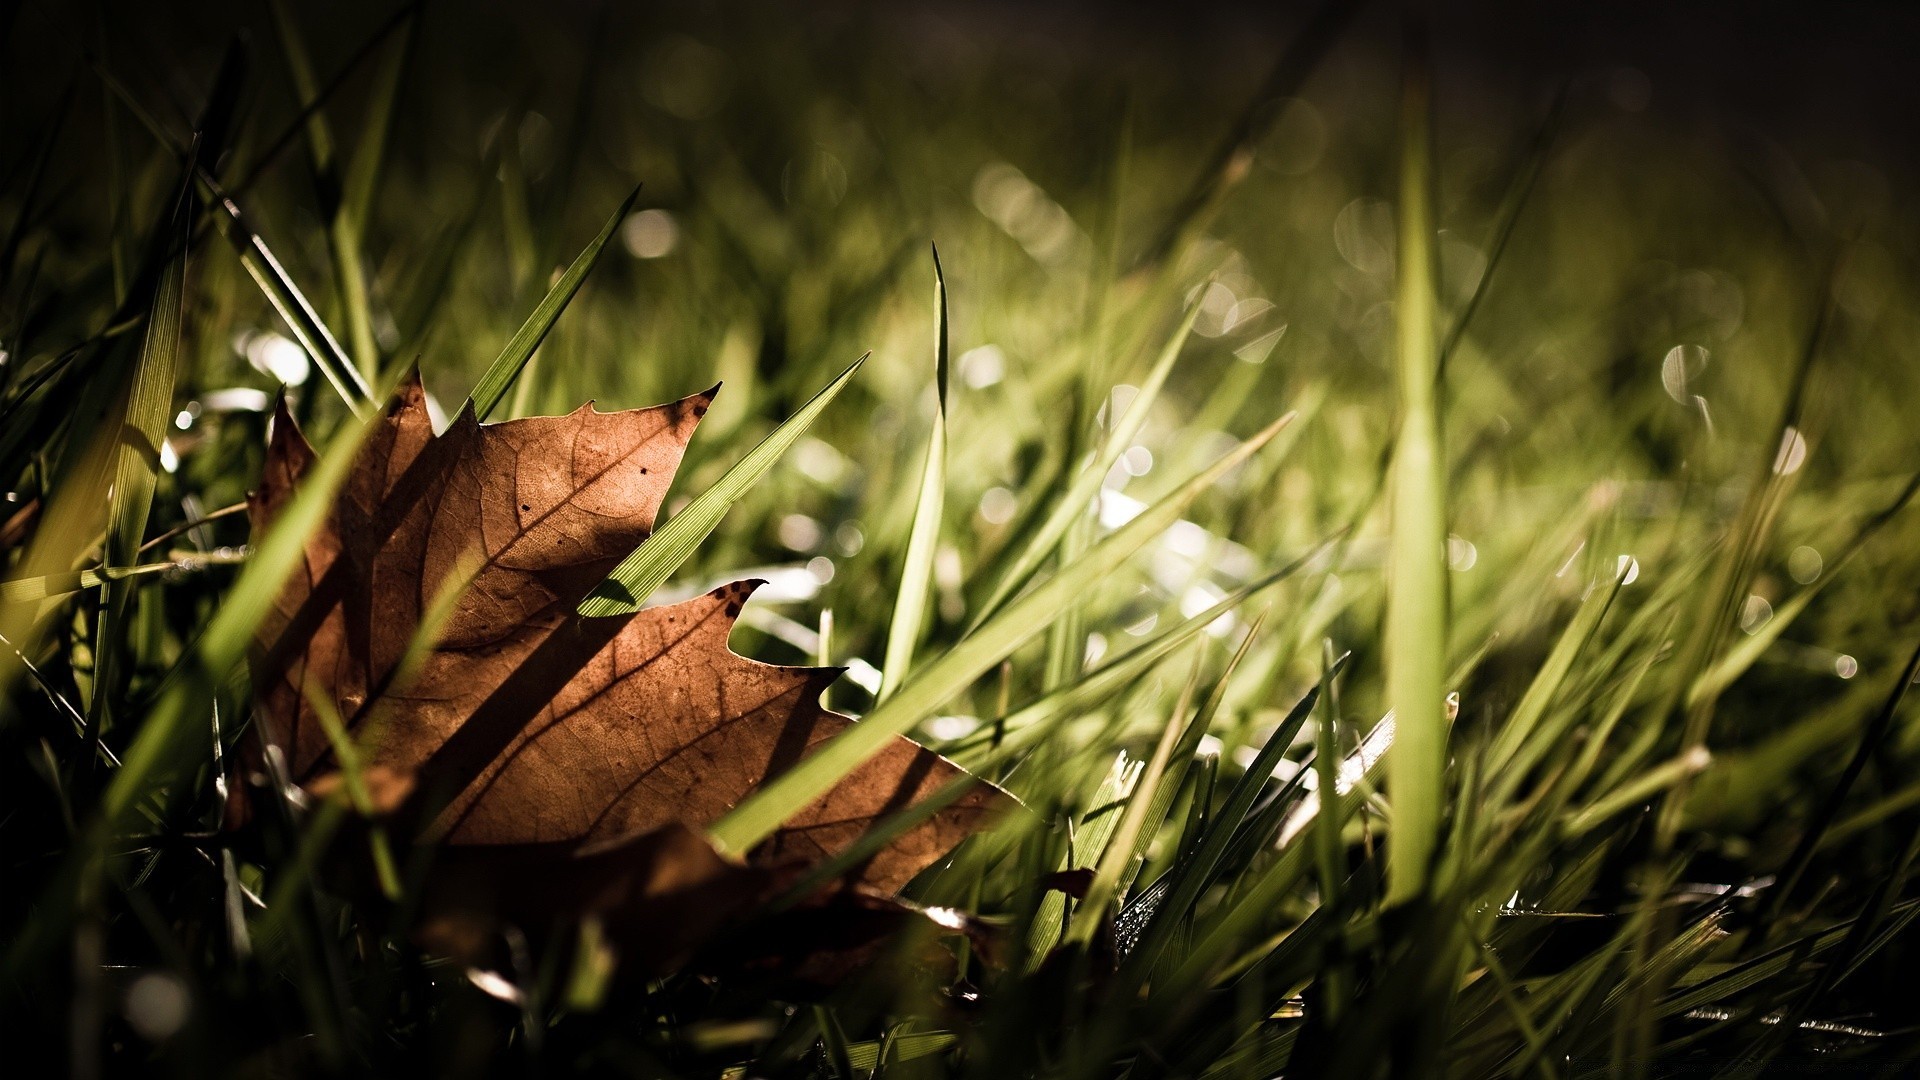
(1755, 614)
(650, 234)
(1682, 365)
(1628, 569)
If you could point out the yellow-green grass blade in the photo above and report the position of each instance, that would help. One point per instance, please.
(260, 264)
(143, 429)
(1416, 620)
(1546, 684)
(369, 153)
(1072, 506)
(916, 572)
(500, 377)
(762, 812)
(671, 545)
(347, 232)
(343, 234)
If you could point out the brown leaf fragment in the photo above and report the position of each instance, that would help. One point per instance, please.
(522, 729)
(660, 895)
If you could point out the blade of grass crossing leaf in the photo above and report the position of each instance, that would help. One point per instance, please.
(916, 574)
(520, 348)
(762, 812)
(1072, 506)
(671, 545)
(1416, 621)
(226, 638)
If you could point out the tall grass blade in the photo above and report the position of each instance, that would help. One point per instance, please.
(1416, 622)
(916, 573)
(137, 459)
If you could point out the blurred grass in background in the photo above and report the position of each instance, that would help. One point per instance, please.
(1674, 428)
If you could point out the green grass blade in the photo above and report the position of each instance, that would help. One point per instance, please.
(1198, 873)
(1091, 840)
(180, 707)
(1548, 680)
(1072, 506)
(137, 457)
(916, 574)
(1117, 855)
(1021, 727)
(671, 545)
(292, 305)
(520, 348)
(1416, 624)
(762, 812)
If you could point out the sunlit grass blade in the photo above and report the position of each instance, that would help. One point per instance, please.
(1871, 742)
(1416, 621)
(763, 811)
(1198, 873)
(1021, 727)
(1091, 840)
(1508, 217)
(1547, 681)
(1072, 506)
(499, 378)
(916, 572)
(1743, 654)
(672, 544)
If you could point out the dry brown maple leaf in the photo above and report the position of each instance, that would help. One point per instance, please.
(525, 724)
